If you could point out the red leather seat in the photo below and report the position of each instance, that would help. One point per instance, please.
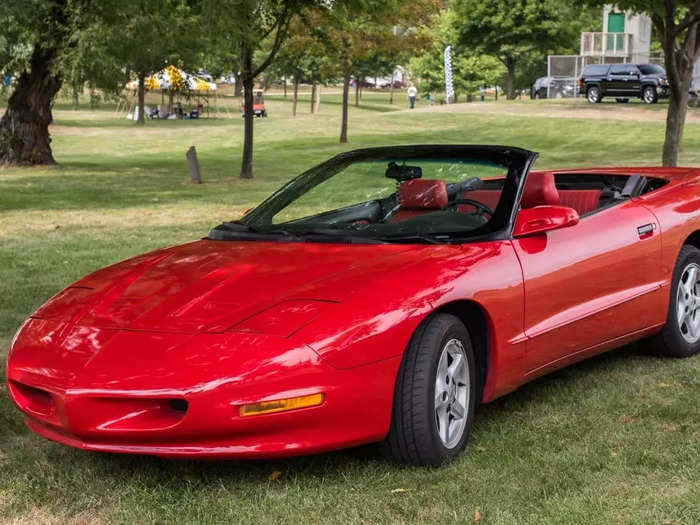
(419, 196)
(539, 190)
(583, 201)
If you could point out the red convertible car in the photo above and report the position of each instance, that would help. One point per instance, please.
(378, 297)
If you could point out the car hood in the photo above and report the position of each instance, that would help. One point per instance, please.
(214, 286)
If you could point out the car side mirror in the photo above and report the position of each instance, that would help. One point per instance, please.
(541, 219)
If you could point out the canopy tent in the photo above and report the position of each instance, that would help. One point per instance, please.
(178, 83)
(174, 79)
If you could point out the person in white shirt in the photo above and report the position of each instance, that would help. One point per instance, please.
(412, 93)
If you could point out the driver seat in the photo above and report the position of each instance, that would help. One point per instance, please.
(540, 190)
(419, 196)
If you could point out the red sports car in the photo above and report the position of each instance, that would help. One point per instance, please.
(376, 297)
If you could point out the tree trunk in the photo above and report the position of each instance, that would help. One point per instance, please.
(171, 97)
(248, 84)
(679, 58)
(142, 97)
(344, 122)
(295, 97)
(284, 81)
(75, 104)
(357, 91)
(391, 90)
(675, 123)
(510, 66)
(238, 86)
(24, 128)
(313, 94)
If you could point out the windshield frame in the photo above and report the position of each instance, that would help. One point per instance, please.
(516, 161)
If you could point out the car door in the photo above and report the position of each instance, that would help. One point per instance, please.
(590, 283)
(634, 82)
(618, 80)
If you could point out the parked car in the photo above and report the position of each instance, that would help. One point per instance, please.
(554, 87)
(694, 96)
(624, 81)
(379, 296)
(386, 84)
(205, 75)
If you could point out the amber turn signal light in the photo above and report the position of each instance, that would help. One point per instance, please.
(281, 405)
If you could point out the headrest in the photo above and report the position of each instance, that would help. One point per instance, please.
(540, 190)
(423, 194)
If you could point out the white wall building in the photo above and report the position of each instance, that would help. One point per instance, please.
(626, 37)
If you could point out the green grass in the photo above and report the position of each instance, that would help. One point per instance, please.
(613, 440)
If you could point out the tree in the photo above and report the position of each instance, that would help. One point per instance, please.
(354, 30)
(469, 70)
(509, 29)
(33, 38)
(144, 36)
(244, 27)
(677, 23)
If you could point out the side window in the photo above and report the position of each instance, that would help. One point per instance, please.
(619, 70)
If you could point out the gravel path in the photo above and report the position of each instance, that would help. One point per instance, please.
(576, 109)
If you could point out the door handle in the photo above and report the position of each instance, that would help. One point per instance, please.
(646, 231)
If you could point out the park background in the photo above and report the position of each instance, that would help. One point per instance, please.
(611, 440)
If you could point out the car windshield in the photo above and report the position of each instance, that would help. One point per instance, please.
(651, 69)
(393, 194)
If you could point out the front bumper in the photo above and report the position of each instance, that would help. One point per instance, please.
(179, 395)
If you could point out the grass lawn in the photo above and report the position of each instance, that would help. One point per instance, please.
(613, 440)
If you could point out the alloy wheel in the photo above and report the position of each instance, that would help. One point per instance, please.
(649, 96)
(688, 303)
(593, 95)
(452, 389)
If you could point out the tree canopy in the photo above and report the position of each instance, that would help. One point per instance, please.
(512, 29)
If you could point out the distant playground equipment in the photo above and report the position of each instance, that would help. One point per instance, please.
(258, 105)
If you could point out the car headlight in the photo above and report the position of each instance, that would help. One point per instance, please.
(663, 82)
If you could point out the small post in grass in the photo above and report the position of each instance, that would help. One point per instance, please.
(193, 163)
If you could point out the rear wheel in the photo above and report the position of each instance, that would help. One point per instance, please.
(593, 94)
(649, 95)
(680, 336)
(435, 394)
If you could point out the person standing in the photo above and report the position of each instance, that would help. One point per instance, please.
(412, 93)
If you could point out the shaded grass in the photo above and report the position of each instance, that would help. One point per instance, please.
(613, 440)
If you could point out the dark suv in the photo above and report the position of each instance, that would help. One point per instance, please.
(623, 81)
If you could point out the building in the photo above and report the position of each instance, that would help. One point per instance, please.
(626, 37)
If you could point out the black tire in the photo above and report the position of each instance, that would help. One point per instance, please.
(622, 100)
(671, 342)
(593, 95)
(413, 437)
(649, 95)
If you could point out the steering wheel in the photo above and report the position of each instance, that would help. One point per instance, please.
(481, 208)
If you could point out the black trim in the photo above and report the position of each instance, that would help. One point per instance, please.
(517, 160)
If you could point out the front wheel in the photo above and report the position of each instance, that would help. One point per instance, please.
(680, 336)
(435, 394)
(649, 95)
